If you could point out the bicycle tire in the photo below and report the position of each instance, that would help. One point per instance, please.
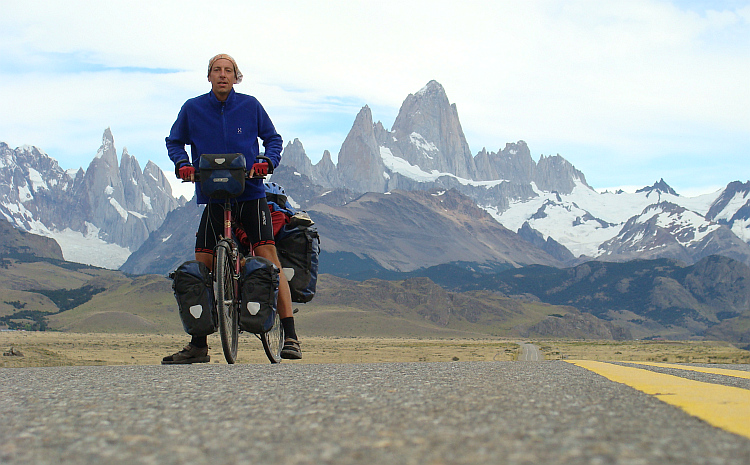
(273, 340)
(226, 303)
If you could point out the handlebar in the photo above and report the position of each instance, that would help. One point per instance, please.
(197, 175)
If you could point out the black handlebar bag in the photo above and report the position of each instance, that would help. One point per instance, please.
(222, 175)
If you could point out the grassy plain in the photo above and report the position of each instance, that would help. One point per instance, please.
(644, 351)
(52, 348)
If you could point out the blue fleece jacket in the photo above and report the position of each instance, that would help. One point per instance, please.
(234, 126)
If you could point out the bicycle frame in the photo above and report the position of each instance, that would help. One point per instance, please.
(229, 267)
(234, 249)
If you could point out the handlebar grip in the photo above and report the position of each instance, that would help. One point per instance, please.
(267, 160)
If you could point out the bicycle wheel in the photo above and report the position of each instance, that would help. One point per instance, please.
(226, 303)
(273, 340)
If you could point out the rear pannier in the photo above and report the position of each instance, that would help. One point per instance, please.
(298, 248)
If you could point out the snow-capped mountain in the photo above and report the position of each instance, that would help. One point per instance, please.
(98, 216)
(732, 208)
(654, 222)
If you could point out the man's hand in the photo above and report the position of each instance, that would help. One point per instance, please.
(260, 169)
(186, 172)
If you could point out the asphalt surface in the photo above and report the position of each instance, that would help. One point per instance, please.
(529, 353)
(405, 413)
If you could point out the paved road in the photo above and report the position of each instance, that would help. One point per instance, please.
(529, 353)
(407, 413)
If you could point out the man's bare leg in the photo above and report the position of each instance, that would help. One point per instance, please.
(285, 298)
(206, 258)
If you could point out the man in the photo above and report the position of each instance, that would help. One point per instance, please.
(223, 121)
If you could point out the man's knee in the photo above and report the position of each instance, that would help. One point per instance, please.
(266, 251)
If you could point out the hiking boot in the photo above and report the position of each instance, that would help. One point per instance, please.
(189, 354)
(291, 349)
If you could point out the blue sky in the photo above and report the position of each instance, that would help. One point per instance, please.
(628, 91)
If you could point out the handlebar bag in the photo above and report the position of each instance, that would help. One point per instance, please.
(259, 289)
(194, 292)
(222, 175)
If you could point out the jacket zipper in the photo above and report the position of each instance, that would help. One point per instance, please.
(224, 126)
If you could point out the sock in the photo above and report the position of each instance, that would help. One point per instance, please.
(199, 341)
(288, 324)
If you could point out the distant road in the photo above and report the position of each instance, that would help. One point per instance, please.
(529, 353)
(403, 413)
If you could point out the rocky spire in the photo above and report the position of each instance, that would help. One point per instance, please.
(428, 133)
(360, 165)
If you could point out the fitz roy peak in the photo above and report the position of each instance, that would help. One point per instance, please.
(98, 216)
(426, 148)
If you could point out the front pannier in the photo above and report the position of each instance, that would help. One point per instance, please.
(222, 175)
(259, 289)
(194, 292)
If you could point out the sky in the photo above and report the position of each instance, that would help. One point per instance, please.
(627, 91)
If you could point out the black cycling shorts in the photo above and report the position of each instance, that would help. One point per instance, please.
(253, 215)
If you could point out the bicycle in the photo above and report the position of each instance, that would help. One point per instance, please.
(226, 276)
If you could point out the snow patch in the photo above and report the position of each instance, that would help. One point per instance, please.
(123, 213)
(399, 165)
(294, 204)
(24, 194)
(36, 180)
(89, 248)
(741, 228)
(147, 202)
(419, 141)
(738, 201)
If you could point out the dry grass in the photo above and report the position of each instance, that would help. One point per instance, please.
(61, 349)
(644, 351)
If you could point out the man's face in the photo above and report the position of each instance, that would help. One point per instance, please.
(222, 78)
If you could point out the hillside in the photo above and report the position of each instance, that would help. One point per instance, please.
(650, 298)
(56, 295)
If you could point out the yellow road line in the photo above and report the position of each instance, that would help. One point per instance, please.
(713, 371)
(725, 407)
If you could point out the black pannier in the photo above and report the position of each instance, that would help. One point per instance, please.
(194, 292)
(222, 175)
(259, 289)
(298, 248)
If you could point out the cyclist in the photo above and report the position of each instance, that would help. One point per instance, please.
(224, 121)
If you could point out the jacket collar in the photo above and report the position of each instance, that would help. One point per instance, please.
(215, 102)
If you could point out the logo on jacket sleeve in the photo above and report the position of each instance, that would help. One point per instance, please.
(239, 130)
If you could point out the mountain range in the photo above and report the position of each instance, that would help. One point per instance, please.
(99, 215)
